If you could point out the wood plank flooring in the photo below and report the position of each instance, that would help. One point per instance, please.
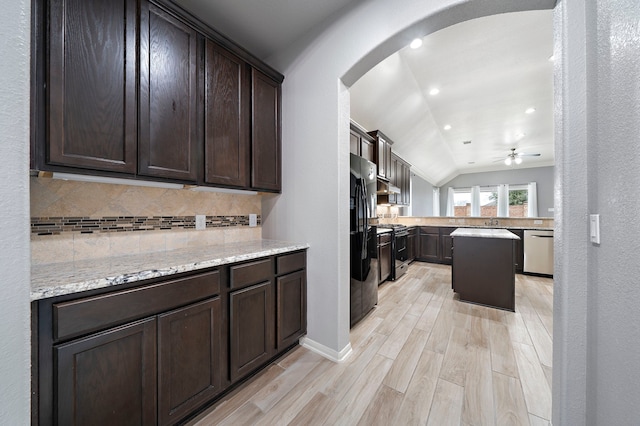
(421, 357)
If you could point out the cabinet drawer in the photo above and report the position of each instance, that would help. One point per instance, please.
(429, 230)
(251, 273)
(90, 314)
(384, 238)
(290, 262)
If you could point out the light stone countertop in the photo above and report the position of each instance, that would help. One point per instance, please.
(57, 279)
(484, 233)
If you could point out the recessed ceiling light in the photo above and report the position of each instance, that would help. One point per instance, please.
(530, 110)
(417, 42)
(447, 126)
(434, 91)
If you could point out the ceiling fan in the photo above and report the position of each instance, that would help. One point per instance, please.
(515, 157)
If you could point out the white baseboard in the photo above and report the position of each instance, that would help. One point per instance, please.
(320, 349)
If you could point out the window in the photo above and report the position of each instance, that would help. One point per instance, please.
(488, 201)
(462, 202)
(518, 201)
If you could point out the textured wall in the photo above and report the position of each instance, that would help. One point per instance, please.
(543, 176)
(14, 209)
(614, 183)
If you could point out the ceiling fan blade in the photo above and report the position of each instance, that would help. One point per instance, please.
(522, 154)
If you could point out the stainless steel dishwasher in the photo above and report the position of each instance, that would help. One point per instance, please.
(538, 252)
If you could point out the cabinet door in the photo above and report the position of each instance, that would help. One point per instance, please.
(265, 133)
(406, 191)
(189, 370)
(226, 148)
(169, 132)
(387, 159)
(366, 149)
(429, 244)
(381, 160)
(446, 244)
(92, 116)
(251, 326)
(384, 255)
(108, 378)
(411, 243)
(291, 304)
(354, 143)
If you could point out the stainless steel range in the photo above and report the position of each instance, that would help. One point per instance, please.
(399, 253)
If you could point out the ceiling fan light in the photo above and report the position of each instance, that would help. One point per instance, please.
(518, 160)
(507, 161)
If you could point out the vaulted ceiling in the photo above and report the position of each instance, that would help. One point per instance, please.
(488, 71)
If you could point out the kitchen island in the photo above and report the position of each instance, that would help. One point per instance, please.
(483, 269)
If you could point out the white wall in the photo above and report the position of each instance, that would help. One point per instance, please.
(543, 176)
(613, 154)
(421, 197)
(15, 357)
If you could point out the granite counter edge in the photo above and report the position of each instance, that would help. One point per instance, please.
(44, 292)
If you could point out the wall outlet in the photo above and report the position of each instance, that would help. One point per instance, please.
(253, 220)
(537, 222)
(201, 222)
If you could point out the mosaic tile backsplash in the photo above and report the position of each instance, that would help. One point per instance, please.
(73, 221)
(87, 225)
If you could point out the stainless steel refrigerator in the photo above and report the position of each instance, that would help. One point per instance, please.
(364, 259)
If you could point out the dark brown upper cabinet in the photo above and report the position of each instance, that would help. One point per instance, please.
(141, 89)
(265, 133)
(361, 143)
(382, 153)
(168, 143)
(227, 136)
(91, 84)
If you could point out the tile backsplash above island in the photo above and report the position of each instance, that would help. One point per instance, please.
(82, 220)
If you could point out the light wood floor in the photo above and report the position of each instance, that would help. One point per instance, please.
(420, 357)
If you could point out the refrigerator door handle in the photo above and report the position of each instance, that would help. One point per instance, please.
(365, 223)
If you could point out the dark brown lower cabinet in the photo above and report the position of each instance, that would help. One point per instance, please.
(429, 244)
(189, 368)
(250, 328)
(107, 378)
(446, 245)
(291, 315)
(411, 244)
(384, 257)
(156, 352)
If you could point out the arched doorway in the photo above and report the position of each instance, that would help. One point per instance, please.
(313, 206)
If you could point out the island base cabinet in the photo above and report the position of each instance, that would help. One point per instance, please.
(483, 271)
(250, 329)
(108, 378)
(189, 368)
